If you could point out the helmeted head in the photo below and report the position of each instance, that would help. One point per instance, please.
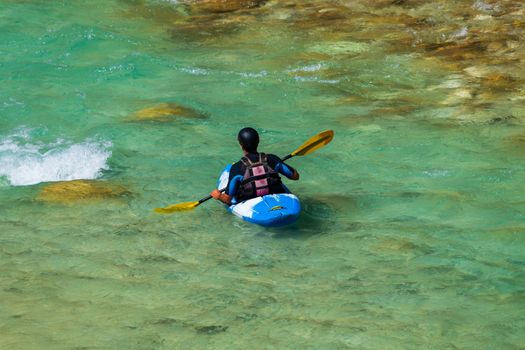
(249, 139)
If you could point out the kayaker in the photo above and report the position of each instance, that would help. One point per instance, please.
(256, 174)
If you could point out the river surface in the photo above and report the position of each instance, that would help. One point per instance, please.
(412, 234)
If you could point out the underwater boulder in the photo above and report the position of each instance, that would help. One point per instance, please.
(395, 244)
(219, 6)
(493, 80)
(163, 13)
(333, 12)
(394, 110)
(80, 190)
(501, 82)
(327, 17)
(352, 100)
(503, 120)
(166, 112)
(515, 143)
(340, 48)
(468, 49)
(477, 71)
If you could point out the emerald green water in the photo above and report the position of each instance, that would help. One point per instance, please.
(413, 222)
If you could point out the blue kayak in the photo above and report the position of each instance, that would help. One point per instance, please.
(271, 210)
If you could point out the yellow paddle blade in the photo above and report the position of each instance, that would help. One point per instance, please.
(314, 143)
(177, 207)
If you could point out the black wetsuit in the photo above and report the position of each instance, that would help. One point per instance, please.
(238, 169)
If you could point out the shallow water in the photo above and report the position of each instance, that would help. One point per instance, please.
(412, 230)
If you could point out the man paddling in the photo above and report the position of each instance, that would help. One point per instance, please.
(311, 145)
(256, 174)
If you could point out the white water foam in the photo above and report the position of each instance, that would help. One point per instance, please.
(23, 162)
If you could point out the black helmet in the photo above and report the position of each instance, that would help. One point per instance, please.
(249, 139)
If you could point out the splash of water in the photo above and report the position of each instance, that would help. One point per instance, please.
(26, 162)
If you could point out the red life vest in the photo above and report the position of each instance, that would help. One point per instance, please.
(259, 178)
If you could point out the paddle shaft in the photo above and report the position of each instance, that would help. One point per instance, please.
(208, 197)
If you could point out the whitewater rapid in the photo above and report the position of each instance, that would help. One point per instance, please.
(24, 161)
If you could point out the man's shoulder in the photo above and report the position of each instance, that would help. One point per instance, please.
(272, 158)
(236, 167)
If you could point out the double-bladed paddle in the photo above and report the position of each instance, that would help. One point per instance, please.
(313, 144)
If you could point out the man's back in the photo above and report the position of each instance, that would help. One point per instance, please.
(256, 174)
(239, 185)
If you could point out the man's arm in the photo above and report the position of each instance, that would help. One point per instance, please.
(223, 197)
(284, 169)
(295, 175)
(234, 180)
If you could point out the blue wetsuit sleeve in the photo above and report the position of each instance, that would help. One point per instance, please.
(284, 169)
(234, 179)
(233, 186)
(278, 165)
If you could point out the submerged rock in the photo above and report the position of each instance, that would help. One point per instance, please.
(401, 245)
(468, 49)
(166, 112)
(162, 13)
(477, 71)
(515, 143)
(352, 100)
(508, 120)
(340, 47)
(79, 190)
(394, 110)
(213, 28)
(510, 232)
(213, 329)
(190, 20)
(219, 6)
(458, 96)
(501, 82)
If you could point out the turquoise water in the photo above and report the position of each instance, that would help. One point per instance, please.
(412, 230)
